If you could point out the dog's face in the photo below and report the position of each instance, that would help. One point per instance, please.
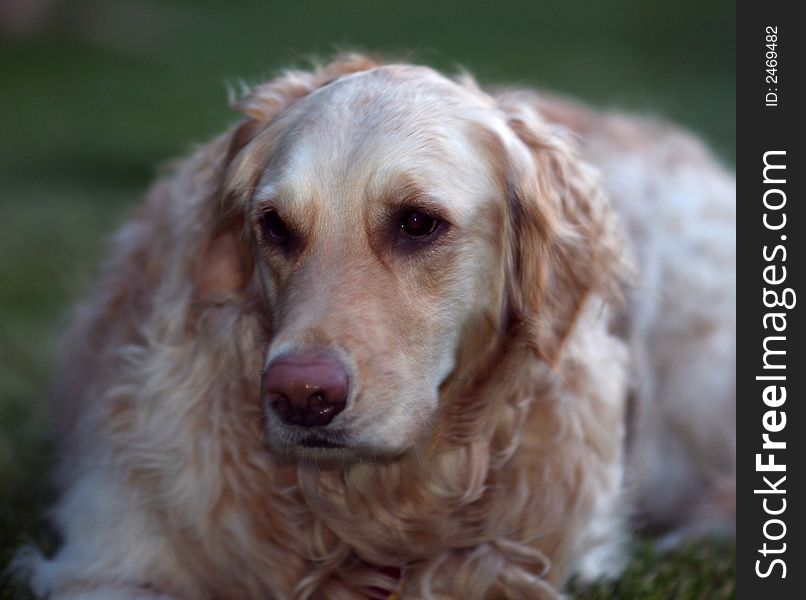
(381, 214)
(378, 225)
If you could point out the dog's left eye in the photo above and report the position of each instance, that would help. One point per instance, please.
(274, 229)
(418, 225)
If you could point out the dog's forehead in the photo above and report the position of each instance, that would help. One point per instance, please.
(368, 130)
(394, 92)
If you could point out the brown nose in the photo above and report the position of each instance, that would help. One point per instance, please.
(307, 390)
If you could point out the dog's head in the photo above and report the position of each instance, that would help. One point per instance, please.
(402, 227)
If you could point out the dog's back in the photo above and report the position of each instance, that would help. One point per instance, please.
(678, 208)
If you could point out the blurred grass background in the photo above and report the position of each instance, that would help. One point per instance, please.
(96, 94)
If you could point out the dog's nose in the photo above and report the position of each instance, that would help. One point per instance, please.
(308, 390)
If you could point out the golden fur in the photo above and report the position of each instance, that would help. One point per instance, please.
(486, 442)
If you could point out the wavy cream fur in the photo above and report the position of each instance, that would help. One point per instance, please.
(491, 459)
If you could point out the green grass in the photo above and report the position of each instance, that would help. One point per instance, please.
(707, 571)
(103, 91)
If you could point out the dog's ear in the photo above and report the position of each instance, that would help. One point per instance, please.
(563, 243)
(224, 266)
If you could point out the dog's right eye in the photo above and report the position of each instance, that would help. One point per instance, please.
(417, 225)
(274, 229)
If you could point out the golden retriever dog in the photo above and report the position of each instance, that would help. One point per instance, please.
(395, 336)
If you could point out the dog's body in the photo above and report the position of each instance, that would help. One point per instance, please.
(447, 269)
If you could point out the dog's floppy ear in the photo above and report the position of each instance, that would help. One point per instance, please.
(563, 241)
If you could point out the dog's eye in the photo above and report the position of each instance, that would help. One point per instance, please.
(418, 225)
(275, 230)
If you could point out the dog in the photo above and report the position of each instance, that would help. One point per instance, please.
(395, 336)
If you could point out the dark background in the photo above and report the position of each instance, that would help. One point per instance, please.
(95, 95)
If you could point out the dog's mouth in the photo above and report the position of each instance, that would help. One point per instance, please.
(316, 441)
(323, 448)
(330, 449)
